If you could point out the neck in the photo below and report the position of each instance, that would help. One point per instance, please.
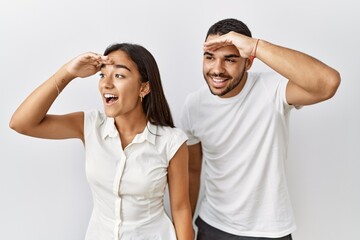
(131, 124)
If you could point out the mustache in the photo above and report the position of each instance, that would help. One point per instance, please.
(219, 75)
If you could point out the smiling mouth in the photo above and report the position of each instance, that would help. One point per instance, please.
(110, 98)
(219, 82)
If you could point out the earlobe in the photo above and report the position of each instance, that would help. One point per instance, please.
(145, 89)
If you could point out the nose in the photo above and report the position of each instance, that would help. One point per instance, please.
(106, 82)
(218, 67)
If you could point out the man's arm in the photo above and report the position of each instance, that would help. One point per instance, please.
(195, 162)
(310, 80)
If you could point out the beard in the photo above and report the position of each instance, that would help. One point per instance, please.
(230, 87)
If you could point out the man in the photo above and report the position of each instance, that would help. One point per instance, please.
(240, 132)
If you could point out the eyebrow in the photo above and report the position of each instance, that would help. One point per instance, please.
(232, 56)
(122, 66)
(226, 56)
(118, 66)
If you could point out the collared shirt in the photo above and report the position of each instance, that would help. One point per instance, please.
(128, 184)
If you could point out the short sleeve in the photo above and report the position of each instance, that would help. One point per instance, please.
(276, 85)
(282, 95)
(90, 118)
(178, 137)
(185, 121)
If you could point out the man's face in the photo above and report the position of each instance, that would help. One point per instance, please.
(223, 70)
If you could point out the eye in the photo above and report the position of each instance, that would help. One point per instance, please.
(101, 75)
(119, 75)
(230, 60)
(208, 57)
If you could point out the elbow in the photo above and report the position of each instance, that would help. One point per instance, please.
(331, 85)
(334, 83)
(13, 125)
(17, 126)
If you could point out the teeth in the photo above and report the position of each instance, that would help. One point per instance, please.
(108, 95)
(218, 80)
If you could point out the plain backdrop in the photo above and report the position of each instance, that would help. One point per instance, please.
(43, 189)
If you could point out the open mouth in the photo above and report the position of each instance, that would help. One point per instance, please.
(218, 82)
(110, 98)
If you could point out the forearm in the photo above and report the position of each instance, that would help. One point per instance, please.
(183, 224)
(35, 107)
(194, 188)
(303, 70)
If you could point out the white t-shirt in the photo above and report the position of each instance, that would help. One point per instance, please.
(128, 185)
(244, 143)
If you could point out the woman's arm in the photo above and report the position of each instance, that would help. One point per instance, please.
(31, 117)
(195, 164)
(178, 179)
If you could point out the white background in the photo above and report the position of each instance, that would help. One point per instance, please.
(43, 189)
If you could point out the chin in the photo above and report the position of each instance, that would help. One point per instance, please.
(216, 92)
(110, 114)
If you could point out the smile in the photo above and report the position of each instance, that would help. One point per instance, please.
(218, 82)
(110, 98)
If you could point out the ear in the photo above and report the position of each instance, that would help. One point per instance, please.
(249, 63)
(144, 89)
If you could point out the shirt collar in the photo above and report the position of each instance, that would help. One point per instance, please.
(149, 133)
(110, 129)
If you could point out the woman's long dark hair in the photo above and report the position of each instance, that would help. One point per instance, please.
(154, 103)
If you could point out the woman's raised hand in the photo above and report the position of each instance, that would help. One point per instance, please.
(87, 64)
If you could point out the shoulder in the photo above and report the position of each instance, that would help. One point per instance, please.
(169, 140)
(194, 100)
(273, 86)
(169, 133)
(94, 116)
(93, 119)
(268, 78)
(198, 94)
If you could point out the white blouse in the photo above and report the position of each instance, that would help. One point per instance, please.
(128, 185)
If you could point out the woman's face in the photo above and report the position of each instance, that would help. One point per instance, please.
(120, 86)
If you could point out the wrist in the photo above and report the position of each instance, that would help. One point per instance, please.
(62, 78)
(253, 52)
(66, 73)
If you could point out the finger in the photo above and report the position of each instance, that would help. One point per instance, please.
(98, 65)
(94, 54)
(102, 61)
(90, 55)
(99, 60)
(107, 60)
(212, 47)
(93, 57)
(218, 43)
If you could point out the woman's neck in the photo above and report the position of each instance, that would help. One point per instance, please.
(129, 126)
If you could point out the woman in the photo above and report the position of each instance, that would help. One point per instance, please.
(132, 151)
